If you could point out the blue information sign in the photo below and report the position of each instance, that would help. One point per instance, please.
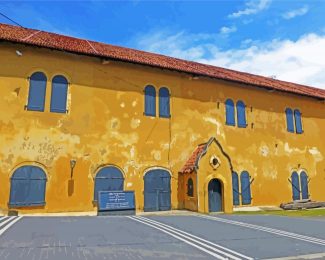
(116, 200)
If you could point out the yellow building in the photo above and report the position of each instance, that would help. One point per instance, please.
(79, 116)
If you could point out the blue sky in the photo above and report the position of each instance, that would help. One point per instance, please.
(282, 39)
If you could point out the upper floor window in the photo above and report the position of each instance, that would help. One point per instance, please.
(150, 101)
(164, 102)
(290, 125)
(190, 187)
(241, 114)
(294, 121)
(37, 91)
(59, 94)
(230, 112)
(297, 115)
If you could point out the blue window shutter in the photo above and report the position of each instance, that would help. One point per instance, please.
(304, 185)
(245, 188)
(235, 188)
(108, 179)
(164, 102)
(59, 94)
(298, 121)
(230, 112)
(295, 186)
(241, 114)
(28, 185)
(37, 91)
(150, 101)
(289, 116)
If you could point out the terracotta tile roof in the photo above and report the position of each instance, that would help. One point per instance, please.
(192, 162)
(69, 44)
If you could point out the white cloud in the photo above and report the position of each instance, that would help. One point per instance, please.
(297, 12)
(299, 61)
(227, 30)
(252, 7)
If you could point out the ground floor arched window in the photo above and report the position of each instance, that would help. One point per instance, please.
(27, 187)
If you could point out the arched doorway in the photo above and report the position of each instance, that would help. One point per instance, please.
(109, 178)
(215, 196)
(27, 187)
(157, 190)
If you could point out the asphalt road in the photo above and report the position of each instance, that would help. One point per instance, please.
(162, 237)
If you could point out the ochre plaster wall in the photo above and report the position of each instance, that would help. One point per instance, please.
(105, 125)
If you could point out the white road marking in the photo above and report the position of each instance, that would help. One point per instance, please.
(310, 256)
(313, 240)
(13, 221)
(196, 237)
(188, 238)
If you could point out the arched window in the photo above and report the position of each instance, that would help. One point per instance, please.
(150, 101)
(27, 187)
(304, 185)
(235, 188)
(59, 94)
(241, 114)
(164, 102)
(295, 186)
(245, 188)
(109, 178)
(37, 91)
(298, 121)
(289, 116)
(190, 187)
(230, 112)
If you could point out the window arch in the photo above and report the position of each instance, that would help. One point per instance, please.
(235, 188)
(59, 94)
(164, 102)
(298, 122)
(27, 187)
(304, 185)
(190, 188)
(37, 91)
(241, 114)
(150, 101)
(108, 178)
(289, 116)
(245, 188)
(230, 112)
(295, 186)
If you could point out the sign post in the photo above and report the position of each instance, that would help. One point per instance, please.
(116, 203)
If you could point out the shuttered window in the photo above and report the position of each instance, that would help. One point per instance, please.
(245, 188)
(230, 112)
(298, 122)
(37, 91)
(108, 179)
(28, 185)
(290, 124)
(164, 102)
(150, 101)
(235, 189)
(304, 185)
(295, 186)
(241, 114)
(59, 94)
(190, 188)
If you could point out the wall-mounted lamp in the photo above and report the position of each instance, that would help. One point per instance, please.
(72, 165)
